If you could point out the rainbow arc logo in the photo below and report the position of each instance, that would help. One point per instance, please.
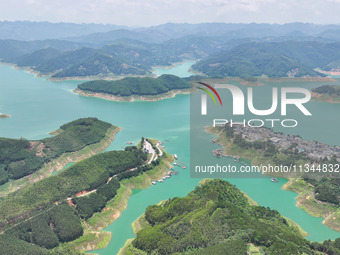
(209, 93)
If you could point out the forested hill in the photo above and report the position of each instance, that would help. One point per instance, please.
(38, 217)
(274, 59)
(220, 56)
(136, 86)
(21, 157)
(217, 218)
(328, 90)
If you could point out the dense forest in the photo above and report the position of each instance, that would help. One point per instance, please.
(39, 213)
(216, 218)
(328, 90)
(88, 174)
(21, 157)
(136, 86)
(273, 59)
(255, 49)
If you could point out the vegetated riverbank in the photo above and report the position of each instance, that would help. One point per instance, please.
(94, 237)
(141, 223)
(177, 220)
(325, 98)
(59, 163)
(259, 81)
(49, 77)
(4, 115)
(327, 93)
(162, 96)
(172, 65)
(305, 200)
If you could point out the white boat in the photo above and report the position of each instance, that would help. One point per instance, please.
(175, 156)
(160, 180)
(153, 183)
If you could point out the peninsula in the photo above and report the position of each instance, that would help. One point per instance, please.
(25, 161)
(327, 93)
(216, 218)
(317, 189)
(135, 88)
(72, 208)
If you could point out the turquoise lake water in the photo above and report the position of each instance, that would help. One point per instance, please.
(39, 106)
(181, 70)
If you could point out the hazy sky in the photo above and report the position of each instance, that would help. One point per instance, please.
(153, 12)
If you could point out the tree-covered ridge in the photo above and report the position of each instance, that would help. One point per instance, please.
(21, 157)
(328, 89)
(216, 218)
(274, 59)
(48, 229)
(51, 211)
(88, 174)
(136, 86)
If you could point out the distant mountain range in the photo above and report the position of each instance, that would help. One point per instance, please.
(102, 51)
(26, 31)
(274, 59)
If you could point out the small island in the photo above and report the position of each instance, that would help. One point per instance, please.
(135, 88)
(4, 115)
(327, 93)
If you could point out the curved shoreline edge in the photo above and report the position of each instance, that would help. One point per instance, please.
(169, 94)
(94, 238)
(324, 98)
(59, 163)
(141, 223)
(305, 199)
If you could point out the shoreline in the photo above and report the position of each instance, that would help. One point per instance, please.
(172, 65)
(169, 94)
(324, 98)
(37, 74)
(306, 201)
(141, 223)
(55, 165)
(313, 207)
(335, 72)
(115, 207)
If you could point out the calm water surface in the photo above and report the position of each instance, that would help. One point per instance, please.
(39, 106)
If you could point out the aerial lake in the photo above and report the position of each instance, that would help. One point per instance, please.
(39, 106)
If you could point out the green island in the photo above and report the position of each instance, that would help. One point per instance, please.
(25, 161)
(317, 190)
(63, 214)
(135, 88)
(216, 218)
(327, 93)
